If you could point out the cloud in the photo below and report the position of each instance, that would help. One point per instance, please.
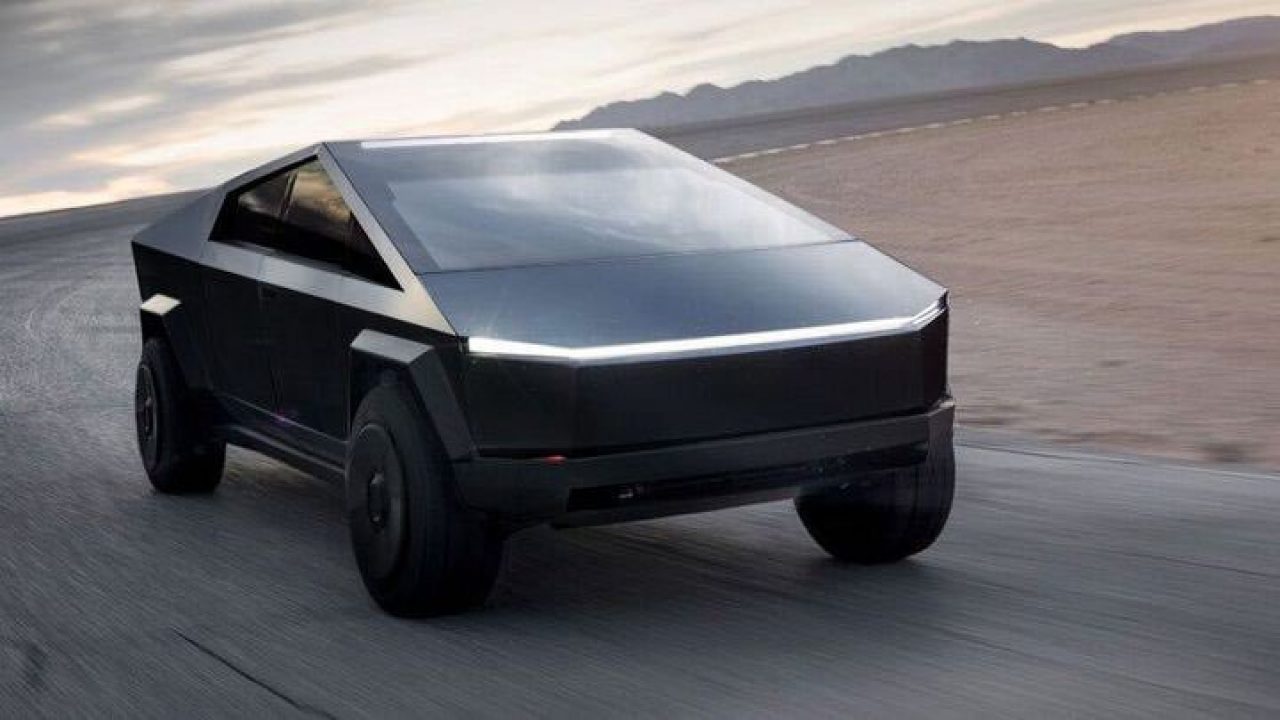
(98, 112)
(101, 99)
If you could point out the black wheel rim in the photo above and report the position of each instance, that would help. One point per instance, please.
(376, 502)
(147, 416)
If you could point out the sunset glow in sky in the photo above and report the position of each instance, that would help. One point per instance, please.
(102, 100)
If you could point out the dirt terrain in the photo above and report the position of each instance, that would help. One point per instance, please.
(1114, 267)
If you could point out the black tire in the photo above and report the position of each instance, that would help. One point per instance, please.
(176, 448)
(886, 515)
(420, 552)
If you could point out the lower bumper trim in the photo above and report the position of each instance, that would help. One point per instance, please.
(695, 476)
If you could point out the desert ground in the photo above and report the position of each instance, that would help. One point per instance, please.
(1114, 267)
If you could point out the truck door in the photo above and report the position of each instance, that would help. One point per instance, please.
(302, 290)
(233, 261)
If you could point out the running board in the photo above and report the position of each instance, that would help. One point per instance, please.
(305, 462)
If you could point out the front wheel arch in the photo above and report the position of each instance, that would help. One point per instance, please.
(379, 359)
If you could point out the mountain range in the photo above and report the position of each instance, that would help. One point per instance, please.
(912, 69)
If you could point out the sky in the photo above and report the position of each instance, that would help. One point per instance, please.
(103, 100)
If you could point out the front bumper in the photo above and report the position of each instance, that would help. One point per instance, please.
(696, 476)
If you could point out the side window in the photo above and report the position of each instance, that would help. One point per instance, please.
(316, 219)
(363, 260)
(300, 212)
(253, 216)
(319, 225)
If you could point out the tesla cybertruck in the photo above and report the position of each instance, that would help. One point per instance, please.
(478, 334)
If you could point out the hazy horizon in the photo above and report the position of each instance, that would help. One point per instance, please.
(104, 103)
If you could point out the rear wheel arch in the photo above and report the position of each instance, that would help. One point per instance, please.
(168, 320)
(152, 327)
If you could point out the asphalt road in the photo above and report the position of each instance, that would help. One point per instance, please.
(1067, 584)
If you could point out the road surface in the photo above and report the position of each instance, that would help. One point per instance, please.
(1067, 584)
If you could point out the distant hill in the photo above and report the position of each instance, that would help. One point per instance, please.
(911, 69)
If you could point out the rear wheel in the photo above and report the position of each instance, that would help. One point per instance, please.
(420, 552)
(177, 450)
(885, 516)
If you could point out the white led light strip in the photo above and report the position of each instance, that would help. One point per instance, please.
(492, 346)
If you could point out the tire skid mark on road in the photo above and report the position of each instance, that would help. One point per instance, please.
(994, 117)
(298, 705)
(42, 310)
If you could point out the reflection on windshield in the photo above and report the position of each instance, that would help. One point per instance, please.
(500, 204)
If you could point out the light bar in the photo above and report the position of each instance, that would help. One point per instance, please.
(512, 348)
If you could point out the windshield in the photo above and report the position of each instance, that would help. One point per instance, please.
(475, 203)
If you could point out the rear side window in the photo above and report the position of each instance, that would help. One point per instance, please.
(253, 216)
(300, 213)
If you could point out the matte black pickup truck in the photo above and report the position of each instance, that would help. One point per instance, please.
(478, 334)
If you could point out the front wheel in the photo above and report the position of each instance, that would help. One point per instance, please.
(886, 515)
(420, 552)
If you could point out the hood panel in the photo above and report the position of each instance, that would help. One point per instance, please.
(675, 297)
